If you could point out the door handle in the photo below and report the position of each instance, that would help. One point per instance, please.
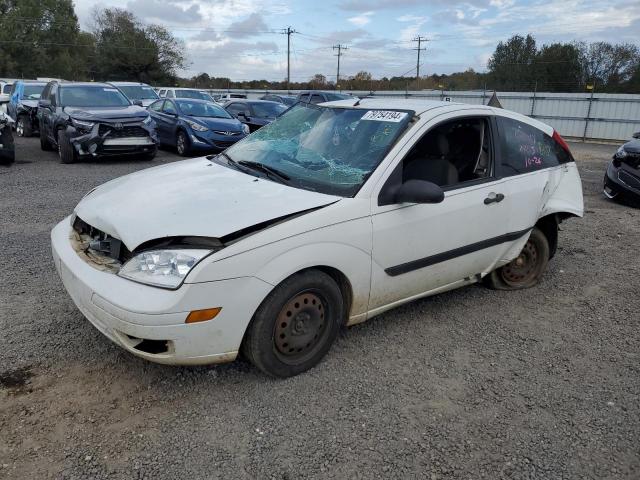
(494, 198)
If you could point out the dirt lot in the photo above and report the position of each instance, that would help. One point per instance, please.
(542, 383)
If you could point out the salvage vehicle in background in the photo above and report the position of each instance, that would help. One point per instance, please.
(23, 106)
(185, 93)
(139, 93)
(5, 88)
(326, 217)
(93, 120)
(287, 100)
(254, 113)
(7, 146)
(317, 96)
(192, 125)
(225, 97)
(622, 179)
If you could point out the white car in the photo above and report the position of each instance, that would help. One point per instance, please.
(326, 217)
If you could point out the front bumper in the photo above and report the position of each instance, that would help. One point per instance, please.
(135, 316)
(213, 141)
(106, 140)
(622, 181)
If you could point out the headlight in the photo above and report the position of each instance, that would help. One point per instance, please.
(245, 128)
(196, 126)
(148, 120)
(162, 268)
(82, 124)
(621, 153)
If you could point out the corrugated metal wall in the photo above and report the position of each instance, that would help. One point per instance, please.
(601, 116)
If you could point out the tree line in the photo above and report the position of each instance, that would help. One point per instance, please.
(42, 38)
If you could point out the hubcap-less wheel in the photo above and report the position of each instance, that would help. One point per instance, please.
(300, 327)
(523, 269)
(20, 128)
(180, 144)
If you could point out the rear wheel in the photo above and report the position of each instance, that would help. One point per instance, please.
(65, 150)
(527, 268)
(183, 146)
(296, 324)
(23, 126)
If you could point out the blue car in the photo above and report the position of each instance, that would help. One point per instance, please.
(191, 125)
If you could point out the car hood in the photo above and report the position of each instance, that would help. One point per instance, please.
(29, 103)
(131, 112)
(230, 124)
(190, 198)
(632, 147)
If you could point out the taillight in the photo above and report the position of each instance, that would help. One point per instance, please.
(556, 136)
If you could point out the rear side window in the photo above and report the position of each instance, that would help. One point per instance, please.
(526, 149)
(170, 94)
(156, 106)
(316, 99)
(7, 88)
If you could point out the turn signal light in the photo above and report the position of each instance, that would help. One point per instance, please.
(203, 315)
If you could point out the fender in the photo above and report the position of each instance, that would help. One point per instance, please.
(567, 197)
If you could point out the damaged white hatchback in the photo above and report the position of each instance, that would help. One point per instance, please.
(328, 216)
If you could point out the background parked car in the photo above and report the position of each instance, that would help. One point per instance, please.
(225, 97)
(622, 179)
(191, 124)
(287, 100)
(139, 93)
(254, 113)
(185, 93)
(93, 119)
(5, 88)
(315, 96)
(23, 106)
(7, 148)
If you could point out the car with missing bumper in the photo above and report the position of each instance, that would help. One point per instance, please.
(622, 179)
(326, 217)
(23, 106)
(93, 120)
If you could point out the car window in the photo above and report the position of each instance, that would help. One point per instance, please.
(53, 95)
(162, 93)
(169, 107)
(236, 108)
(452, 153)
(170, 94)
(315, 98)
(156, 106)
(31, 91)
(7, 88)
(138, 92)
(304, 98)
(195, 108)
(92, 96)
(183, 93)
(525, 148)
(267, 110)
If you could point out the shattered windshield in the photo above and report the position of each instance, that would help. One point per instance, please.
(139, 92)
(328, 150)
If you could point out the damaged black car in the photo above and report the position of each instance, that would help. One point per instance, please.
(622, 180)
(93, 120)
(23, 106)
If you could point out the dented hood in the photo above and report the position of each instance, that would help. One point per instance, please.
(190, 198)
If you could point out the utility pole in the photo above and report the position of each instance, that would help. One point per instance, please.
(419, 39)
(340, 48)
(288, 31)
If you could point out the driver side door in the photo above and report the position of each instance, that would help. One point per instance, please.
(420, 249)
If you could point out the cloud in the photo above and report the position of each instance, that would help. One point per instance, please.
(254, 24)
(165, 11)
(362, 19)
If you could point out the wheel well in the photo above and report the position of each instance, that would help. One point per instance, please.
(549, 226)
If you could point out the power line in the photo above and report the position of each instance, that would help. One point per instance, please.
(419, 39)
(340, 48)
(288, 33)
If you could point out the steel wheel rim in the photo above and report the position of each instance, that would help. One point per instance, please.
(20, 128)
(523, 269)
(180, 144)
(301, 327)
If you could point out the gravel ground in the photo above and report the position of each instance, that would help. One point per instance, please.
(474, 383)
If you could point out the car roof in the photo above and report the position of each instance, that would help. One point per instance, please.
(124, 84)
(31, 82)
(81, 84)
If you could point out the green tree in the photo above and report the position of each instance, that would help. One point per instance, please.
(611, 67)
(511, 66)
(558, 68)
(42, 38)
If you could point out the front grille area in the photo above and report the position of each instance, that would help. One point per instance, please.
(125, 131)
(226, 133)
(98, 247)
(629, 179)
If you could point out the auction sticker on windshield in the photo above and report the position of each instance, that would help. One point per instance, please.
(384, 116)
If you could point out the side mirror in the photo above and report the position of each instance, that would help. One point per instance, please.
(44, 103)
(138, 103)
(636, 135)
(419, 191)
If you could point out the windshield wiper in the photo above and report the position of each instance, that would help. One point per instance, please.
(273, 172)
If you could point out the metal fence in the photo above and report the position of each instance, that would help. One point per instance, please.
(590, 117)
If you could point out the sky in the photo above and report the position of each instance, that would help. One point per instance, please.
(242, 39)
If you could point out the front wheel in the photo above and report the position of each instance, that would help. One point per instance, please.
(526, 269)
(295, 326)
(23, 127)
(182, 144)
(65, 149)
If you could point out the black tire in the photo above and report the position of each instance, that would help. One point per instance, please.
(65, 150)
(527, 269)
(295, 326)
(45, 145)
(183, 144)
(23, 126)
